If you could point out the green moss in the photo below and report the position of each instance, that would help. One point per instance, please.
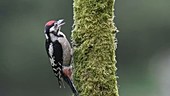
(94, 48)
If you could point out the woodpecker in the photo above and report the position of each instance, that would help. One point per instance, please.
(59, 52)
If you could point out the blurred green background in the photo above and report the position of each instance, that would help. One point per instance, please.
(143, 52)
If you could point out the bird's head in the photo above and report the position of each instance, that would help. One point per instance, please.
(53, 27)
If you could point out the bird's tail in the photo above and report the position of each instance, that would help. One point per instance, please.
(70, 83)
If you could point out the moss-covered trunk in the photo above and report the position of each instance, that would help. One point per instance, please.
(94, 48)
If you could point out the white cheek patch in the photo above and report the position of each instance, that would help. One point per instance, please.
(50, 50)
(52, 29)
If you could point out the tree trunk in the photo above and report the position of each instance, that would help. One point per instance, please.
(94, 45)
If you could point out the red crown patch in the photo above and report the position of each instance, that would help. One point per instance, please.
(50, 22)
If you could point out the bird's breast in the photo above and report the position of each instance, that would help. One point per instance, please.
(66, 50)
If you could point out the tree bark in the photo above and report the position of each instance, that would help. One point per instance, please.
(94, 45)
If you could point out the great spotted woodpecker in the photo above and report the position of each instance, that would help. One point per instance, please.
(59, 52)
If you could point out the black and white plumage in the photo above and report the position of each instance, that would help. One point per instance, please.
(59, 52)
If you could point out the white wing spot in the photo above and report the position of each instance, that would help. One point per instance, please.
(46, 36)
(51, 49)
(52, 61)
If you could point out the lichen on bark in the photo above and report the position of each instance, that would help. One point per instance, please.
(94, 44)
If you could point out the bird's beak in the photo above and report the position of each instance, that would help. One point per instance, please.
(60, 22)
(57, 25)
